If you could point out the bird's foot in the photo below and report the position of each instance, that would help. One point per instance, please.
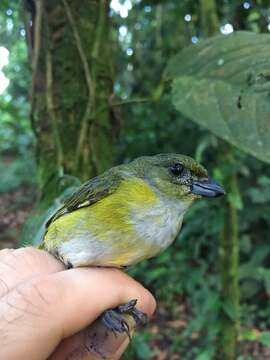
(114, 319)
(68, 265)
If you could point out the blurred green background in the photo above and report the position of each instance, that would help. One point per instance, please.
(168, 92)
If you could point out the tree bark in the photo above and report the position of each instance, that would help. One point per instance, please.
(71, 89)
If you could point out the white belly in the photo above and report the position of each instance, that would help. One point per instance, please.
(161, 224)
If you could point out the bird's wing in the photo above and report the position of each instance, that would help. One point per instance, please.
(89, 193)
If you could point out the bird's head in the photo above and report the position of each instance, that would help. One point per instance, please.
(177, 177)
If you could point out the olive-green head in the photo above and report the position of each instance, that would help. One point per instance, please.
(177, 176)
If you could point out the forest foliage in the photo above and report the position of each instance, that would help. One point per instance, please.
(175, 90)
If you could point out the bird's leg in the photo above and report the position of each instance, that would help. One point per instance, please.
(115, 321)
(68, 265)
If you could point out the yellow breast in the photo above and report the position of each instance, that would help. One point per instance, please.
(105, 233)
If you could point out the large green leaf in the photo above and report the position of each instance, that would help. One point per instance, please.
(223, 84)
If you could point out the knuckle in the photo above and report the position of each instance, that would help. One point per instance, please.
(6, 252)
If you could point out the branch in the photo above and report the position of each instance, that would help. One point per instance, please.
(99, 30)
(121, 103)
(131, 101)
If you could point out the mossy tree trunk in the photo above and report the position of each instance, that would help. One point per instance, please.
(70, 53)
(228, 249)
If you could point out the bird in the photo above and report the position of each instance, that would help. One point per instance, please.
(130, 213)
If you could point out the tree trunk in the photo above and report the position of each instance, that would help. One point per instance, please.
(70, 50)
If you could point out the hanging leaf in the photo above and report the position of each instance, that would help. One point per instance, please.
(223, 84)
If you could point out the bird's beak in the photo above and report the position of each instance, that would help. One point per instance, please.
(207, 188)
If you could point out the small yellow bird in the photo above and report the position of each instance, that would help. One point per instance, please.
(129, 213)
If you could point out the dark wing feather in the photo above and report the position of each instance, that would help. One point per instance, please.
(89, 193)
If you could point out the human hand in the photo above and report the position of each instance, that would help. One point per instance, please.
(45, 310)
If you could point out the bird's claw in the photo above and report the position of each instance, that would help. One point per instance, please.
(114, 319)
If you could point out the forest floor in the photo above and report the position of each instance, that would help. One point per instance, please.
(15, 207)
(14, 210)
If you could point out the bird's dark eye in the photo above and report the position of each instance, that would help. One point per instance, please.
(177, 169)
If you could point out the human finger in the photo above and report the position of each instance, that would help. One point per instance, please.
(57, 306)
